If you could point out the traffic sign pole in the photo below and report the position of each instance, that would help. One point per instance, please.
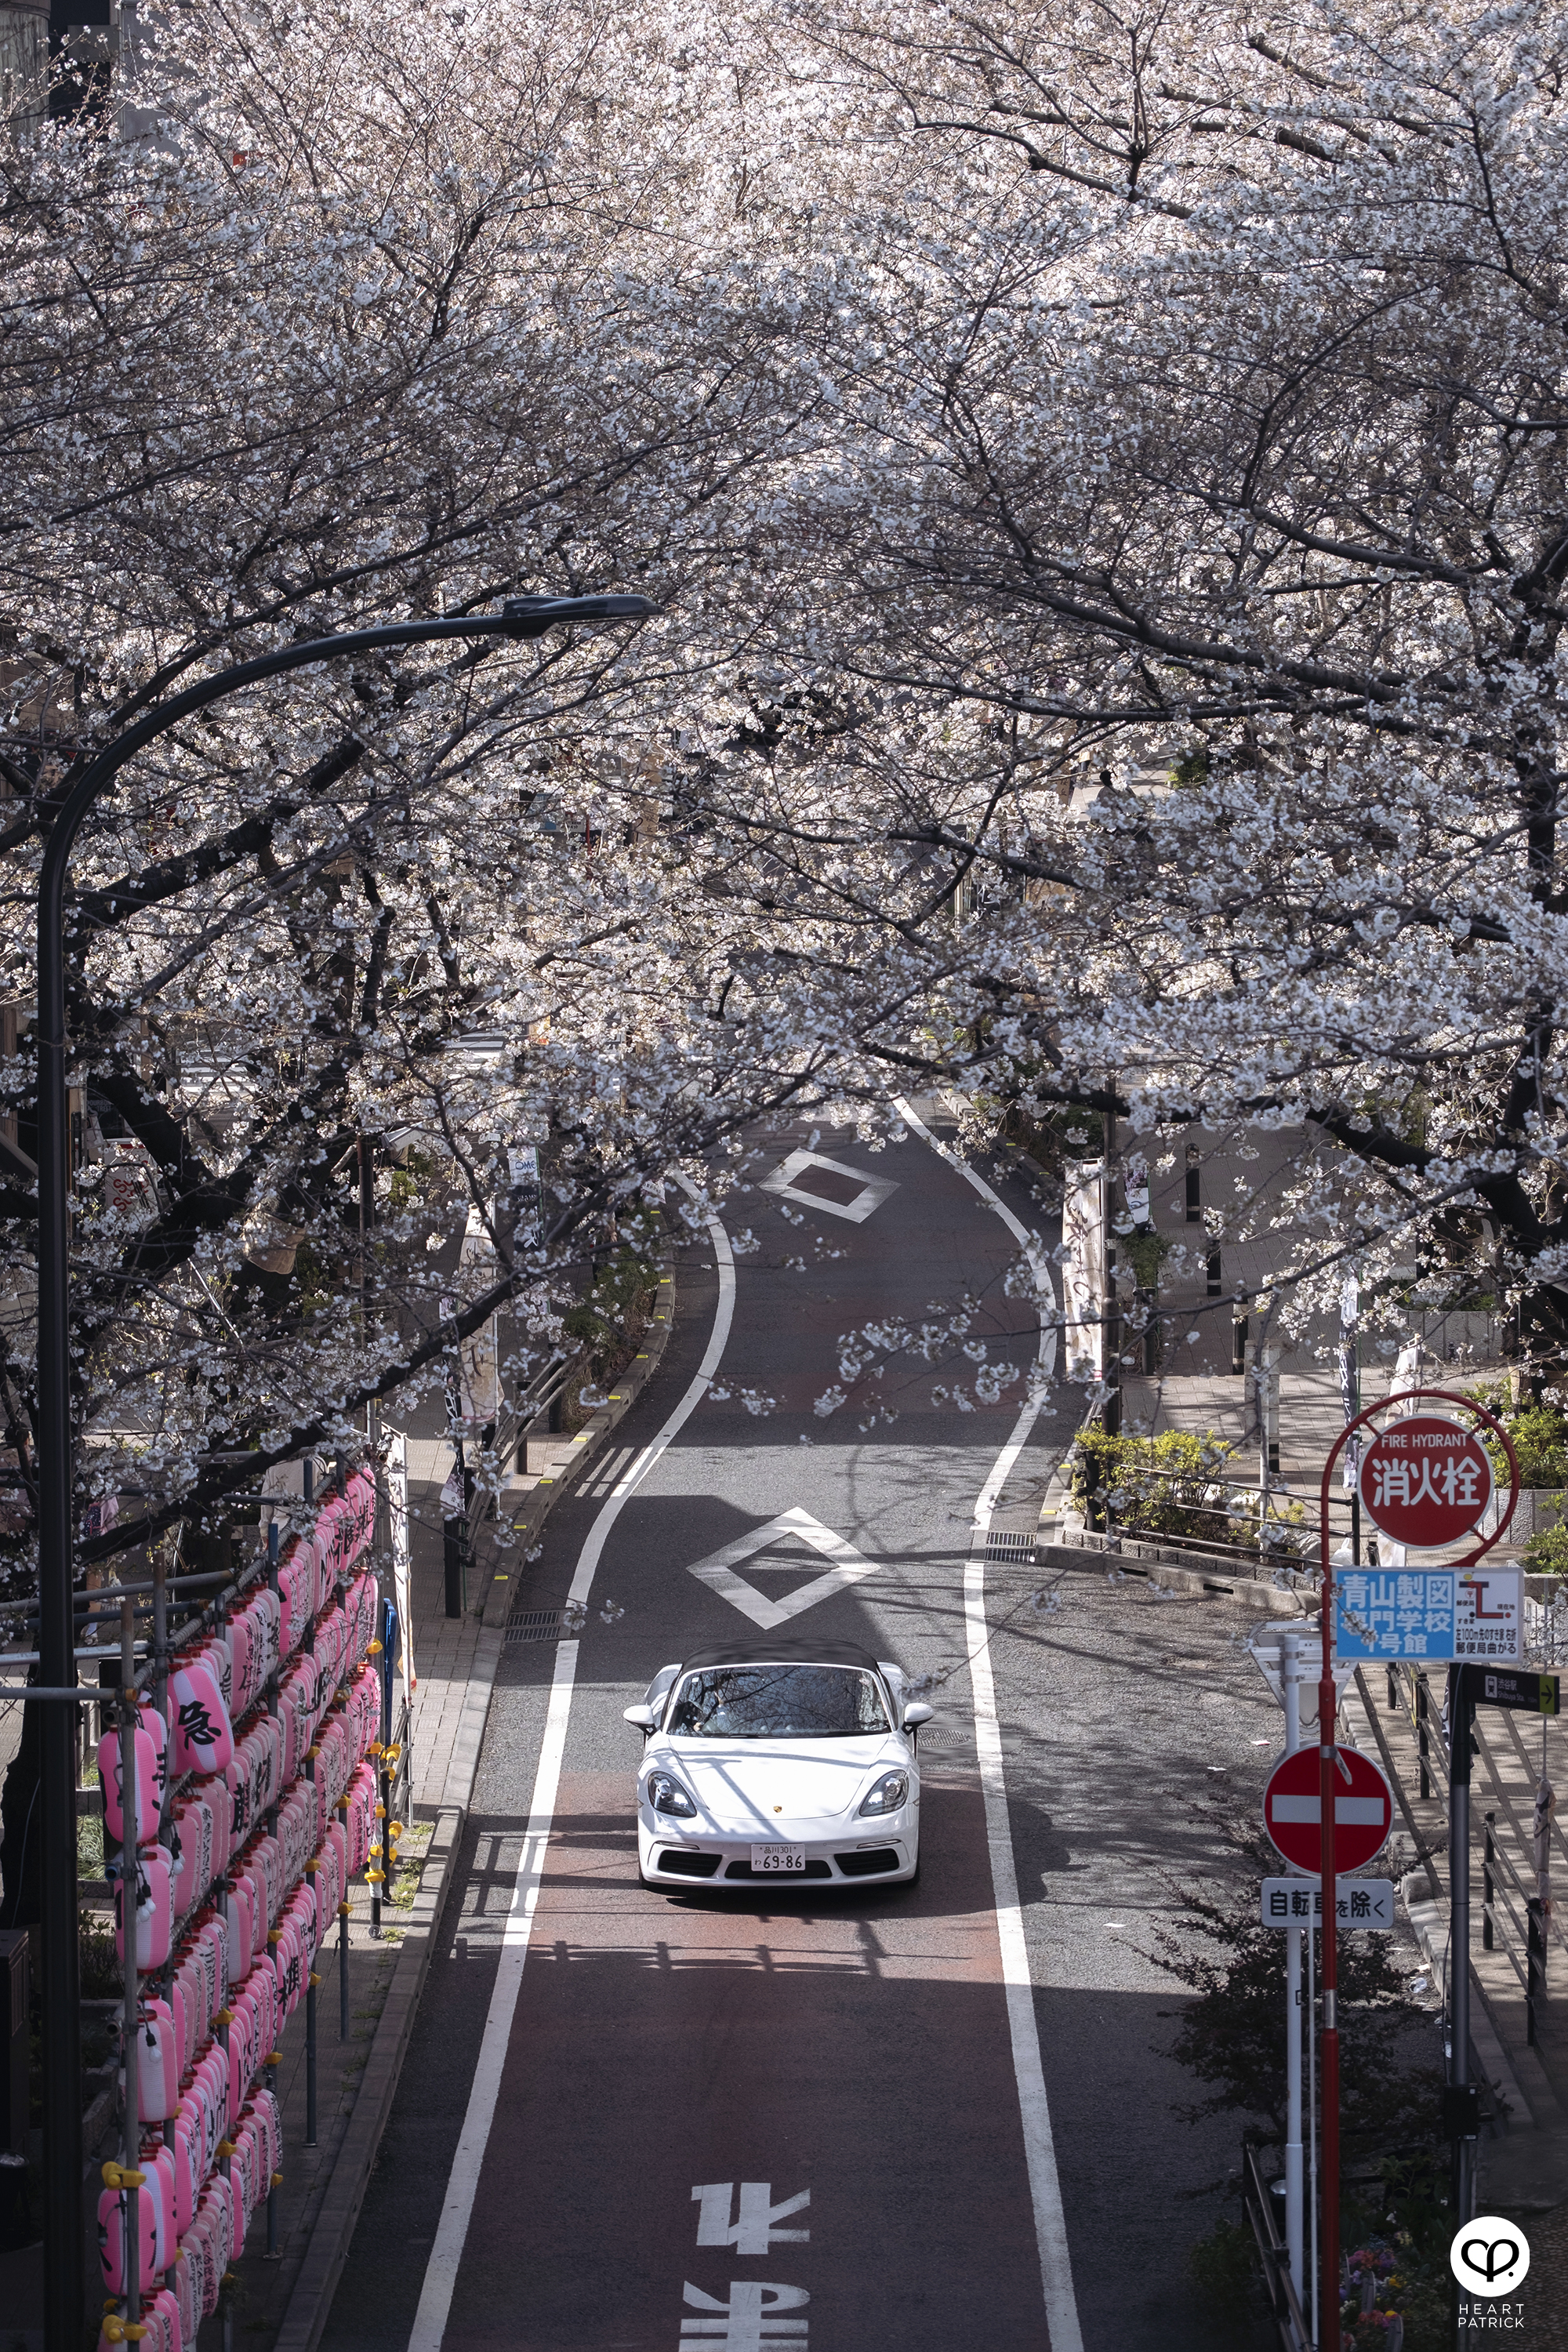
(1461, 1711)
(1329, 2052)
(1290, 1689)
(1328, 1757)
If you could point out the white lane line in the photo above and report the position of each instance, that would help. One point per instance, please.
(1027, 1241)
(456, 2210)
(1022, 2028)
(630, 1480)
(1039, 2146)
(451, 2231)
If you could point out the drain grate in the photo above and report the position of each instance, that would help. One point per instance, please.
(1010, 1543)
(939, 1735)
(536, 1625)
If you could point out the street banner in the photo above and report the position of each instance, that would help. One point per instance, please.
(1083, 1270)
(1350, 1377)
(522, 1174)
(1434, 1615)
(397, 1514)
(1299, 1903)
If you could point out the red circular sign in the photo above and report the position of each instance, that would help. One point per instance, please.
(1426, 1481)
(1293, 1813)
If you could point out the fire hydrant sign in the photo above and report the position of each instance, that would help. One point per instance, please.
(1443, 1615)
(1425, 1481)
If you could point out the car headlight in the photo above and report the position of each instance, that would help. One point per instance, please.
(666, 1795)
(888, 1795)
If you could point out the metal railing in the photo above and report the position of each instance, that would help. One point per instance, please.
(1504, 1893)
(1284, 2303)
(1291, 1546)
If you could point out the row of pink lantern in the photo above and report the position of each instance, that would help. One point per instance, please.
(192, 2231)
(245, 1960)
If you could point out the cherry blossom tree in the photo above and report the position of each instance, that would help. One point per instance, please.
(333, 320)
(1194, 551)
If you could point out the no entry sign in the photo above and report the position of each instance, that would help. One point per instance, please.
(1293, 1816)
(1426, 1481)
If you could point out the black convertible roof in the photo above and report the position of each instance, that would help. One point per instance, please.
(764, 1652)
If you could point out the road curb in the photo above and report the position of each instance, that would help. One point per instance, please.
(331, 2233)
(311, 2299)
(528, 1513)
(1159, 1564)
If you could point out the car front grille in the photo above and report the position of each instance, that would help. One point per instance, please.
(868, 1865)
(688, 1865)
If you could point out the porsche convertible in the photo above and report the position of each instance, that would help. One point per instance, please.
(770, 1762)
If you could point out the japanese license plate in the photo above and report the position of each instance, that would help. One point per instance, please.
(778, 1858)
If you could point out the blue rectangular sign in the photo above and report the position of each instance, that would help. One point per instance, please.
(1440, 1615)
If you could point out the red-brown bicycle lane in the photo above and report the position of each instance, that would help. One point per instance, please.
(857, 2053)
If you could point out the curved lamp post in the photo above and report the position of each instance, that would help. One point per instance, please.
(64, 2247)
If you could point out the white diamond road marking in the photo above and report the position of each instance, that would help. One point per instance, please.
(718, 1570)
(873, 1190)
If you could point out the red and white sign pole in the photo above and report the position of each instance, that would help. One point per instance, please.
(1436, 1510)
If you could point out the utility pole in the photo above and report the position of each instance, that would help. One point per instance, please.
(1328, 1873)
(1266, 1394)
(1110, 1325)
(1464, 2096)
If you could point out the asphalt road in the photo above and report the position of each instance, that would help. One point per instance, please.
(639, 2048)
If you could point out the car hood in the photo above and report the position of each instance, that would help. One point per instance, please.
(753, 1785)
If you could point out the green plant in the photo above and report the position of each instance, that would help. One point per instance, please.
(1145, 1253)
(1175, 1485)
(1546, 1552)
(1539, 1434)
(1229, 2036)
(1427, 2318)
(621, 1296)
(1223, 2268)
(90, 1846)
(99, 1963)
(408, 1184)
(1191, 768)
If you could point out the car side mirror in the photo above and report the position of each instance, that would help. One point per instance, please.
(641, 1719)
(918, 1714)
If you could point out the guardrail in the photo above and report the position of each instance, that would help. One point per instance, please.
(1504, 1893)
(1284, 2303)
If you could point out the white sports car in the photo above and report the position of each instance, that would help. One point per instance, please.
(771, 1762)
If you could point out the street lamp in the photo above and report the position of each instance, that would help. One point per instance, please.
(520, 617)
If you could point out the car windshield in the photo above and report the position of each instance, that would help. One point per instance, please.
(778, 1703)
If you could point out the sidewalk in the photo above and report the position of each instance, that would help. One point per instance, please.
(281, 2300)
(1311, 1416)
(1524, 2162)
